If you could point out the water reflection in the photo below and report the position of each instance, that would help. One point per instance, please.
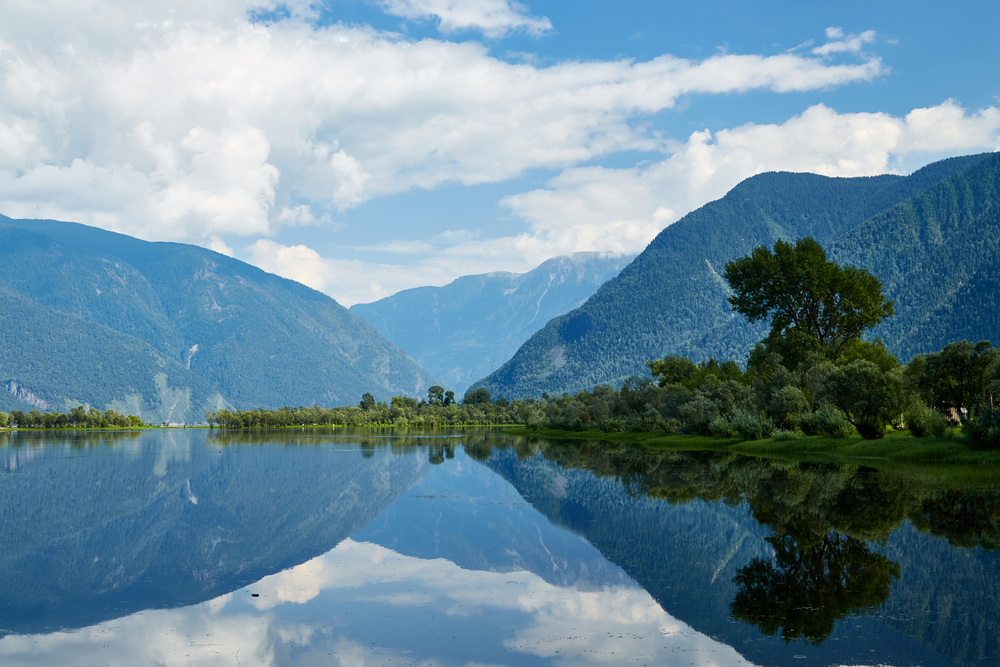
(807, 587)
(336, 609)
(478, 548)
(841, 550)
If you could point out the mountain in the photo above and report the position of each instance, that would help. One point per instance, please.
(672, 299)
(166, 330)
(463, 331)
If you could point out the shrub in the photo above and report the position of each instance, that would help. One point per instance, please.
(751, 425)
(923, 421)
(985, 431)
(720, 428)
(698, 414)
(828, 421)
(781, 435)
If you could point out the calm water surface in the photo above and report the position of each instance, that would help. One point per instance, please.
(359, 548)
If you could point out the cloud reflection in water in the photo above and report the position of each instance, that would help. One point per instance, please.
(363, 604)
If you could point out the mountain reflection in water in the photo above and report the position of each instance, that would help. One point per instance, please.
(461, 548)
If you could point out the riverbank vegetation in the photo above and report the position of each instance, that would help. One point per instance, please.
(78, 417)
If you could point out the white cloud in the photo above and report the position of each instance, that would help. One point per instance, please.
(300, 616)
(839, 43)
(596, 208)
(495, 18)
(622, 210)
(188, 122)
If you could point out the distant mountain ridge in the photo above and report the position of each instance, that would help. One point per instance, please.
(167, 330)
(466, 329)
(672, 298)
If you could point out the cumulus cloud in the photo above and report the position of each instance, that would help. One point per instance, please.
(620, 210)
(494, 17)
(623, 209)
(190, 122)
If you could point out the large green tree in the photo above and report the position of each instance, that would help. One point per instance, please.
(805, 295)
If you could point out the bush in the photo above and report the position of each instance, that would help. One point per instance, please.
(781, 435)
(985, 431)
(751, 425)
(828, 421)
(923, 421)
(698, 414)
(720, 428)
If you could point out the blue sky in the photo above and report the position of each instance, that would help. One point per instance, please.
(367, 146)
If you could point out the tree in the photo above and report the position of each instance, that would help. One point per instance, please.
(477, 397)
(958, 377)
(435, 395)
(367, 402)
(804, 293)
(870, 397)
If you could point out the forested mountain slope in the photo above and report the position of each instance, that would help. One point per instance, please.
(466, 329)
(938, 257)
(672, 298)
(166, 330)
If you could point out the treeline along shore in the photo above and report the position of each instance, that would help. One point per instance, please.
(78, 417)
(813, 375)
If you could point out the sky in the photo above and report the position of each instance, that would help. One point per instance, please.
(368, 146)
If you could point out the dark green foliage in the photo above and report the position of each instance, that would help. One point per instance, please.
(984, 431)
(169, 330)
(869, 397)
(751, 424)
(922, 422)
(828, 421)
(808, 587)
(477, 397)
(435, 395)
(797, 288)
(673, 369)
(958, 379)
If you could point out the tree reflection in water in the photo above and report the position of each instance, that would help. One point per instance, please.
(831, 525)
(810, 585)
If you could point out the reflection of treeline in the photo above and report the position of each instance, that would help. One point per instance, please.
(830, 526)
(440, 444)
(865, 503)
(78, 417)
(78, 440)
(864, 389)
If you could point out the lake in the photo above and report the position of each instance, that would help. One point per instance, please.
(337, 547)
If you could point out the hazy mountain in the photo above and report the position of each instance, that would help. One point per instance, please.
(166, 330)
(672, 298)
(463, 331)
